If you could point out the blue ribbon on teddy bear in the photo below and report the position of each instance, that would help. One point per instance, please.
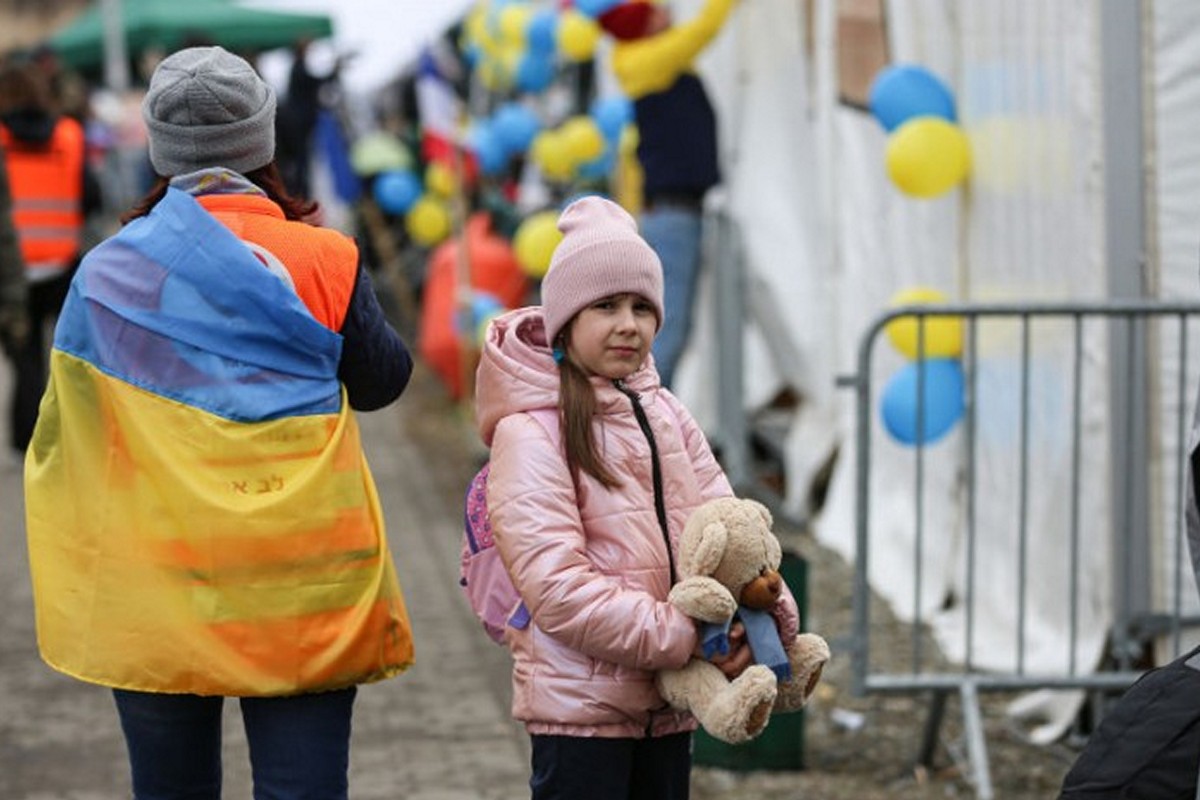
(761, 634)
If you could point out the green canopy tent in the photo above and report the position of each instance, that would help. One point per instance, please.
(168, 24)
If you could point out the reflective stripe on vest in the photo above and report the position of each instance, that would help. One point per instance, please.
(224, 535)
(46, 183)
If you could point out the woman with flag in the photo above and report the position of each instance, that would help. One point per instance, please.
(202, 521)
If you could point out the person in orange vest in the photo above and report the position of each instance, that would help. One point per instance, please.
(197, 472)
(53, 193)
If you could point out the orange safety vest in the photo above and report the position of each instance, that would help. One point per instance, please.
(224, 552)
(46, 183)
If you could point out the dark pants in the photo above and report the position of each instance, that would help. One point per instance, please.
(591, 768)
(29, 363)
(299, 746)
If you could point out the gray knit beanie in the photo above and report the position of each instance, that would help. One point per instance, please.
(601, 254)
(207, 107)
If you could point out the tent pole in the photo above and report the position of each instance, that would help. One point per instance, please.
(1122, 28)
(116, 54)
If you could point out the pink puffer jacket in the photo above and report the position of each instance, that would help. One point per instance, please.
(590, 563)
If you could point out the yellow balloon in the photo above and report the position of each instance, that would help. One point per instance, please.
(514, 19)
(510, 59)
(583, 137)
(630, 138)
(491, 74)
(439, 179)
(577, 35)
(552, 155)
(943, 335)
(928, 156)
(475, 26)
(428, 221)
(534, 242)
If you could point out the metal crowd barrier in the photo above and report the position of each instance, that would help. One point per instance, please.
(1133, 336)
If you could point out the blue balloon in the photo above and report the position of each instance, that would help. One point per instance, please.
(515, 125)
(396, 190)
(472, 55)
(612, 114)
(483, 305)
(541, 36)
(535, 71)
(488, 149)
(942, 400)
(904, 91)
(594, 8)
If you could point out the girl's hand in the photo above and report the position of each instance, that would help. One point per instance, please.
(739, 656)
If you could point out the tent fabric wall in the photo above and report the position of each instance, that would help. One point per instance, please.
(827, 230)
(1174, 175)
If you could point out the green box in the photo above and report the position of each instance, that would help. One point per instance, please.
(781, 746)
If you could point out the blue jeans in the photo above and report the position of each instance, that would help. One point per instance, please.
(591, 768)
(674, 232)
(299, 745)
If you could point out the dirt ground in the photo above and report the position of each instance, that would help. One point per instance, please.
(854, 747)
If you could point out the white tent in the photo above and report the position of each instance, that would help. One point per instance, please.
(1084, 186)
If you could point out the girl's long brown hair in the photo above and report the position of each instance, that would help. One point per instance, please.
(266, 178)
(576, 407)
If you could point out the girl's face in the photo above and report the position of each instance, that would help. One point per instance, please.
(612, 336)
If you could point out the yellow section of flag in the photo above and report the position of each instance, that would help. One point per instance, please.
(205, 555)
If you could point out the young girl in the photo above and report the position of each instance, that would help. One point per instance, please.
(586, 515)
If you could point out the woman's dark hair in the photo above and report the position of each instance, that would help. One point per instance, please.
(266, 178)
(576, 406)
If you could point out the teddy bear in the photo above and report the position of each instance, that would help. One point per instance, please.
(728, 563)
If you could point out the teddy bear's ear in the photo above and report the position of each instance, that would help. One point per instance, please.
(701, 548)
(763, 510)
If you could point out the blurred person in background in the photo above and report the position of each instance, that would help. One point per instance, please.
(53, 193)
(297, 120)
(677, 146)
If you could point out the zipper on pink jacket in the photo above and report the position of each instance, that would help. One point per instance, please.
(660, 506)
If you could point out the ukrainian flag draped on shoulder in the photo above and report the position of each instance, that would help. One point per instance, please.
(200, 515)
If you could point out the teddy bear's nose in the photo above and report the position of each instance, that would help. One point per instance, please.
(774, 582)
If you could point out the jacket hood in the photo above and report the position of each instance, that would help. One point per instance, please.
(517, 373)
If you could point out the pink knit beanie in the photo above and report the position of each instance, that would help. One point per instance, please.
(601, 254)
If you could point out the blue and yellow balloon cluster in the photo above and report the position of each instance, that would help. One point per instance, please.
(933, 377)
(517, 44)
(927, 152)
(421, 201)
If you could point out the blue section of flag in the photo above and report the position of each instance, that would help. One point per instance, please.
(178, 305)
